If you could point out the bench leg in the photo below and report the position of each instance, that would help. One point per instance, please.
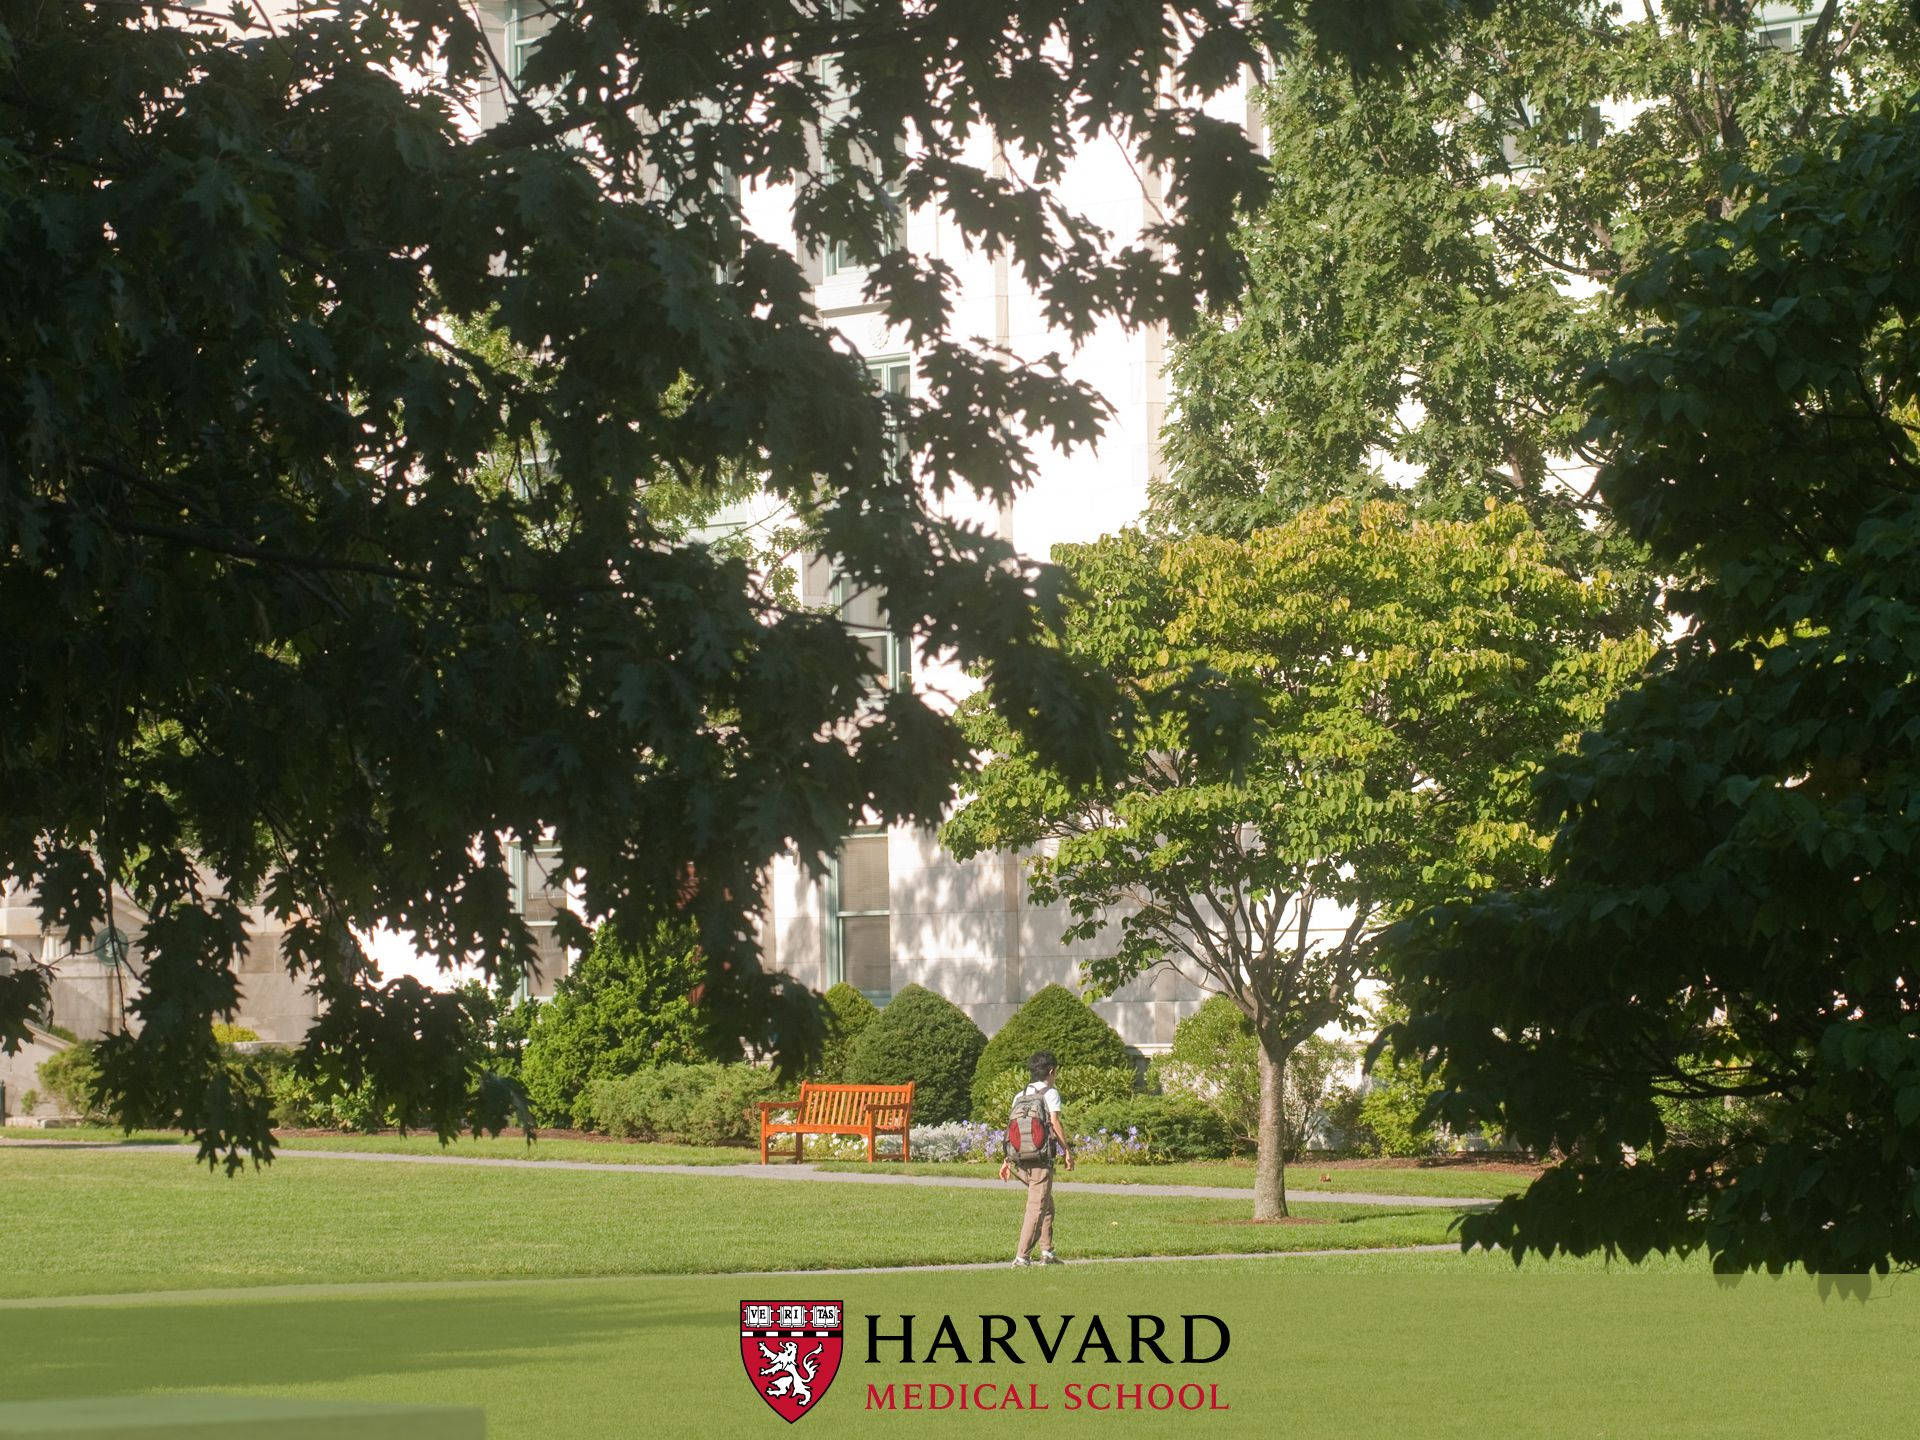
(869, 1144)
(906, 1146)
(799, 1148)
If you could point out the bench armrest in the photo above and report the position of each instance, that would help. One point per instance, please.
(899, 1107)
(770, 1105)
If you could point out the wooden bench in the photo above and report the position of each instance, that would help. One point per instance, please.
(867, 1110)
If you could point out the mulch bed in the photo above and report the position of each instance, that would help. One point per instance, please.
(1469, 1162)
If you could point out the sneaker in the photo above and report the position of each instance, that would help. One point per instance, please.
(1020, 1262)
(1047, 1257)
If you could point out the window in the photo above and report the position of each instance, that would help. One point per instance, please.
(1783, 26)
(521, 34)
(859, 920)
(539, 893)
(864, 611)
(839, 258)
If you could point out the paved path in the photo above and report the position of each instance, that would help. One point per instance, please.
(349, 1289)
(811, 1173)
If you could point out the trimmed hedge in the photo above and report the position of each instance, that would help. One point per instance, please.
(920, 1036)
(691, 1104)
(1054, 1019)
(848, 1013)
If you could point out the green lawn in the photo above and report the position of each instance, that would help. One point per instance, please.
(145, 1218)
(502, 1147)
(1238, 1175)
(516, 1147)
(1302, 1180)
(1399, 1347)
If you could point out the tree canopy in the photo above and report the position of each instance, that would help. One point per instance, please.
(1732, 901)
(1435, 267)
(275, 632)
(1336, 718)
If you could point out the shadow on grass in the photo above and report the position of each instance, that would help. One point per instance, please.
(307, 1342)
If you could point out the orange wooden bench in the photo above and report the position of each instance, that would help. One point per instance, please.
(867, 1110)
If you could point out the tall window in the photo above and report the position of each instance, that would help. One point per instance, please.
(859, 918)
(521, 34)
(864, 611)
(839, 258)
(539, 893)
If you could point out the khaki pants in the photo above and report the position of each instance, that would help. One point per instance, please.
(1038, 1221)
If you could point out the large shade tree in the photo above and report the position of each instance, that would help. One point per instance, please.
(1732, 899)
(1326, 724)
(1435, 265)
(272, 631)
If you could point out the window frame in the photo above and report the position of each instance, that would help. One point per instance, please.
(835, 918)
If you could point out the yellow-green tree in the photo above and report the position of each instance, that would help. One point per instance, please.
(1336, 719)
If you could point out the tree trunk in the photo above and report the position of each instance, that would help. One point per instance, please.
(1269, 1166)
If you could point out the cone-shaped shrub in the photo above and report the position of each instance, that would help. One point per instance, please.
(848, 1014)
(921, 1037)
(1055, 1019)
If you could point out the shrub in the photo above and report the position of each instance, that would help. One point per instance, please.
(1085, 1085)
(624, 1008)
(924, 1038)
(701, 1104)
(1216, 1060)
(1173, 1126)
(225, 1034)
(1390, 1107)
(848, 1013)
(72, 1079)
(1054, 1019)
(301, 1102)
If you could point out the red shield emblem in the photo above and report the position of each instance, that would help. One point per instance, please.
(792, 1350)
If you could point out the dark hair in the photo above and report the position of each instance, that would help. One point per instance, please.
(1042, 1064)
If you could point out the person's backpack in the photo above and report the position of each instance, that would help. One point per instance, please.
(1027, 1126)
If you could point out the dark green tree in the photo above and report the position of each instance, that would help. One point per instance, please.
(274, 630)
(925, 1038)
(627, 1005)
(1434, 268)
(1731, 900)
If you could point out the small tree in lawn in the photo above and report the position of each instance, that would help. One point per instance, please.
(1337, 717)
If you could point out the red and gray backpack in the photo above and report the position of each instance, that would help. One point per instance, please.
(1027, 1126)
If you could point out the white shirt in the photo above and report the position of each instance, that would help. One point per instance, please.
(1049, 1096)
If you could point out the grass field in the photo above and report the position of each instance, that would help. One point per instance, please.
(145, 1218)
(1406, 1346)
(1448, 1182)
(1402, 1347)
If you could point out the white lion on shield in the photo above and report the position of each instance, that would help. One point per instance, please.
(786, 1364)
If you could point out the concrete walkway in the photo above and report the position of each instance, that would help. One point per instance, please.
(809, 1172)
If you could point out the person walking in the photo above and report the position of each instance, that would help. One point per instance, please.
(1035, 1137)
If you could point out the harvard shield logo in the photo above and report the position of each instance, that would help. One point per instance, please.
(791, 1349)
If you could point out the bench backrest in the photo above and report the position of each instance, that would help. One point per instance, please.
(847, 1104)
